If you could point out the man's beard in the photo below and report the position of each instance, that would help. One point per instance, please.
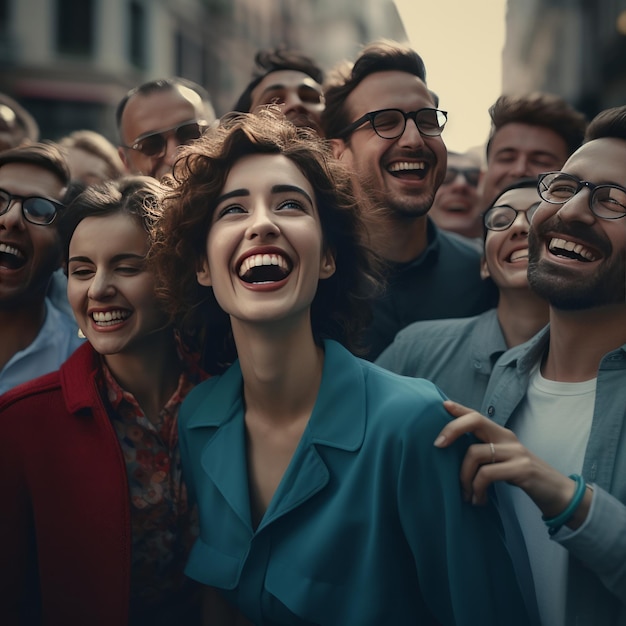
(563, 287)
(406, 208)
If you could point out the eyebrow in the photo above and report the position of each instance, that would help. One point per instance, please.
(239, 193)
(509, 206)
(116, 259)
(283, 87)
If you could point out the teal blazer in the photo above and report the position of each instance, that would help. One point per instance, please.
(367, 526)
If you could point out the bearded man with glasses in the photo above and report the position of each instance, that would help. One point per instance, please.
(384, 123)
(552, 435)
(156, 118)
(35, 335)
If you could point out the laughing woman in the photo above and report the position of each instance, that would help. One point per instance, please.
(322, 499)
(95, 526)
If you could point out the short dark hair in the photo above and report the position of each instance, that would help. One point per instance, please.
(339, 309)
(164, 84)
(378, 56)
(273, 60)
(45, 154)
(539, 109)
(610, 123)
(137, 196)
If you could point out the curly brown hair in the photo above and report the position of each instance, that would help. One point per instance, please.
(339, 308)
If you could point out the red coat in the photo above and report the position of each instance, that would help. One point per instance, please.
(63, 484)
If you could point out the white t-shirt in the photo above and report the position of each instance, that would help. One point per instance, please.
(553, 422)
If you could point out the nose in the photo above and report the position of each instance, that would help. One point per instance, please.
(101, 286)
(292, 102)
(171, 149)
(520, 225)
(12, 218)
(262, 223)
(577, 209)
(411, 137)
(521, 168)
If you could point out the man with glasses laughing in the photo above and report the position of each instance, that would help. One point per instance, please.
(383, 122)
(555, 407)
(35, 336)
(157, 117)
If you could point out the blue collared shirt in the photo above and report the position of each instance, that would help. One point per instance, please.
(367, 526)
(57, 339)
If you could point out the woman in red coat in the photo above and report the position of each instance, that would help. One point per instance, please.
(95, 526)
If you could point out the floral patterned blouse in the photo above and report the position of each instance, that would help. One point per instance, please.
(163, 526)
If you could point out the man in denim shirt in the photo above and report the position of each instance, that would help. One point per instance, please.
(556, 405)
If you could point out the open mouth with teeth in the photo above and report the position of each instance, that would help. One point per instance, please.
(518, 255)
(409, 169)
(11, 258)
(264, 268)
(570, 250)
(109, 318)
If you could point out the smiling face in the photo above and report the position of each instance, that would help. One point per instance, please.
(109, 288)
(506, 251)
(456, 207)
(299, 97)
(578, 261)
(400, 174)
(520, 150)
(29, 253)
(150, 113)
(264, 251)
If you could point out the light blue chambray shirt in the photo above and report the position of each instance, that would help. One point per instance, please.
(57, 339)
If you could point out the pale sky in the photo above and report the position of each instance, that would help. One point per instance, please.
(461, 43)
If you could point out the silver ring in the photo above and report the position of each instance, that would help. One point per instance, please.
(493, 452)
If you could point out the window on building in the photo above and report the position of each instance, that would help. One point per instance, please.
(137, 34)
(75, 27)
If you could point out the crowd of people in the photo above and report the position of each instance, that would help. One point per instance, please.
(300, 364)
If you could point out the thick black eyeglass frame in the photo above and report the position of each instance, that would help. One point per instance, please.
(580, 184)
(25, 201)
(371, 116)
(202, 125)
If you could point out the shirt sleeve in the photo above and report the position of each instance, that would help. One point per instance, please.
(600, 543)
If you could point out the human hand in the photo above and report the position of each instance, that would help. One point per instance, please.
(501, 456)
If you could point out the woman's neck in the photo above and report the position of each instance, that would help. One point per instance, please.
(281, 368)
(150, 372)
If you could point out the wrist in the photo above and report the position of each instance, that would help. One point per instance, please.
(554, 523)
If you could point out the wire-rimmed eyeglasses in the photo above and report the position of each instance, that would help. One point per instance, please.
(606, 201)
(35, 209)
(390, 123)
(502, 217)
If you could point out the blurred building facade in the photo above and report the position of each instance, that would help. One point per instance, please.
(70, 61)
(574, 48)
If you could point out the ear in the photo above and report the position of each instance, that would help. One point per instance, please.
(327, 264)
(338, 147)
(122, 154)
(203, 274)
(484, 269)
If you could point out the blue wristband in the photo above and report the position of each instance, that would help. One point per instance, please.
(554, 523)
